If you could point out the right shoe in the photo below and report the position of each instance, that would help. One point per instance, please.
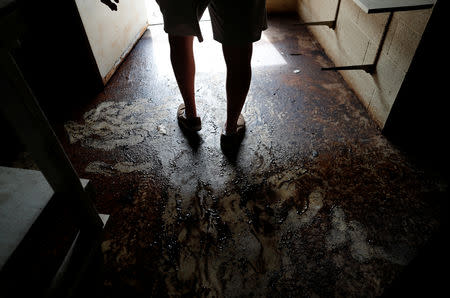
(230, 142)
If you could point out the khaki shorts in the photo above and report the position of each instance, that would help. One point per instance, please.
(233, 21)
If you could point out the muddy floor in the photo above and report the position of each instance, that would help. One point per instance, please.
(315, 203)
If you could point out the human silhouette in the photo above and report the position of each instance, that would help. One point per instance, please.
(236, 25)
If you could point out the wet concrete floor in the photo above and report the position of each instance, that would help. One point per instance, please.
(316, 203)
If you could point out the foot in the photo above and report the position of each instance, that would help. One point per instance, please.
(191, 124)
(230, 142)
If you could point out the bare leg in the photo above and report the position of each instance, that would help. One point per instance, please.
(239, 73)
(183, 64)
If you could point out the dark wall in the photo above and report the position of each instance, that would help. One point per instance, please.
(419, 123)
(56, 58)
(419, 119)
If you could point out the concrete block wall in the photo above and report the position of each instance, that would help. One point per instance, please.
(355, 41)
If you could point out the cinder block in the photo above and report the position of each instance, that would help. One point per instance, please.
(304, 10)
(390, 35)
(403, 45)
(328, 40)
(381, 104)
(323, 10)
(387, 80)
(349, 10)
(416, 20)
(388, 75)
(361, 83)
(371, 52)
(372, 24)
(352, 40)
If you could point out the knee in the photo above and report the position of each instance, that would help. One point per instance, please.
(181, 43)
(238, 56)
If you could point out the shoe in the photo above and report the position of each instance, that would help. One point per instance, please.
(230, 142)
(192, 124)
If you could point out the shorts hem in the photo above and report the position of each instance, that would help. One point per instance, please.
(237, 41)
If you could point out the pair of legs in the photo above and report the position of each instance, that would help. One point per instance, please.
(237, 59)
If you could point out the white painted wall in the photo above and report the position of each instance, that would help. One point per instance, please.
(112, 34)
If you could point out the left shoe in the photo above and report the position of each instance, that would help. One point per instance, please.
(189, 124)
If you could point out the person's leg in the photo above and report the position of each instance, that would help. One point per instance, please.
(183, 64)
(239, 72)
